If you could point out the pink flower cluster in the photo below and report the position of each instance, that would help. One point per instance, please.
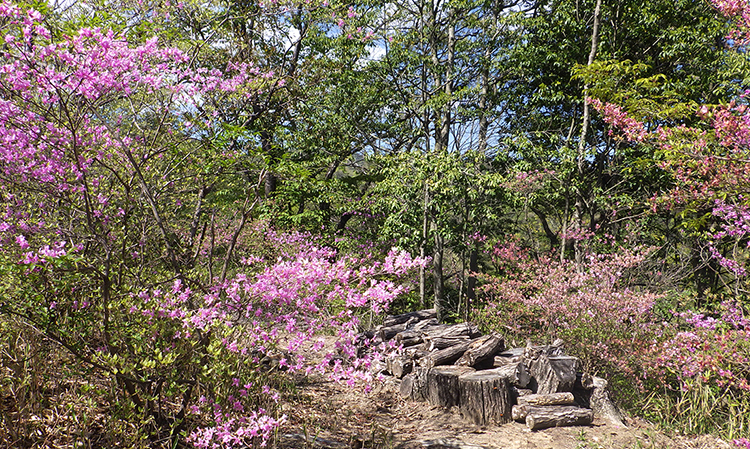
(592, 304)
(284, 307)
(614, 115)
(712, 349)
(59, 132)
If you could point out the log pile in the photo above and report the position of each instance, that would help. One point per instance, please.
(456, 366)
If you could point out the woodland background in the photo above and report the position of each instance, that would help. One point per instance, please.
(187, 189)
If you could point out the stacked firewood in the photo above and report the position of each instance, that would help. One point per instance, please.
(454, 365)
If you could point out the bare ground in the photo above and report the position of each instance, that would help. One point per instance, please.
(331, 415)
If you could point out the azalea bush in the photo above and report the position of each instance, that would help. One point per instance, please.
(683, 368)
(701, 373)
(595, 308)
(134, 286)
(700, 366)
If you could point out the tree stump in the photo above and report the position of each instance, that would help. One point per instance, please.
(442, 385)
(481, 349)
(602, 405)
(557, 416)
(485, 397)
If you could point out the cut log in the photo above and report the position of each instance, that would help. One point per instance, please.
(437, 343)
(442, 385)
(552, 374)
(410, 342)
(565, 398)
(482, 349)
(414, 385)
(501, 360)
(519, 412)
(425, 324)
(455, 330)
(408, 338)
(388, 332)
(407, 334)
(419, 315)
(557, 416)
(401, 366)
(516, 374)
(485, 397)
(445, 356)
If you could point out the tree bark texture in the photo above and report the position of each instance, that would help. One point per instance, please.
(432, 344)
(482, 349)
(442, 385)
(400, 366)
(420, 315)
(516, 374)
(602, 405)
(485, 397)
(565, 398)
(552, 374)
(446, 356)
(557, 416)
(414, 385)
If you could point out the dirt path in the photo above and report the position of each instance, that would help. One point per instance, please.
(329, 415)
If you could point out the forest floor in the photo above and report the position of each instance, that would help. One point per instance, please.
(334, 416)
(323, 414)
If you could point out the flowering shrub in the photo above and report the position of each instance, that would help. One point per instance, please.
(591, 307)
(281, 310)
(686, 369)
(104, 146)
(700, 373)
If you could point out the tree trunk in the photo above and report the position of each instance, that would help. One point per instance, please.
(581, 159)
(423, 249)
(472, 281)
(437, 272)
